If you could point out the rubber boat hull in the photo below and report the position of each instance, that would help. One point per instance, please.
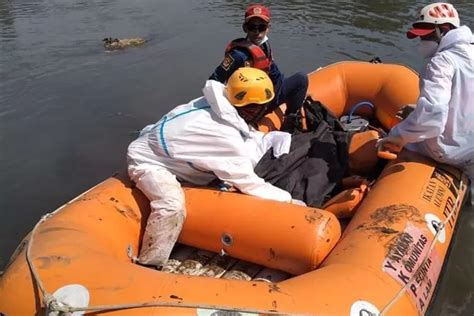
(385, 260)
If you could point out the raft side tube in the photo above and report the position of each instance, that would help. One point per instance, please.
(277, 235)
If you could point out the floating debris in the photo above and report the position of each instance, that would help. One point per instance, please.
(115, 43)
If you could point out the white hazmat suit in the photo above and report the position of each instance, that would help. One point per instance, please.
(442, 124)
(197, 143)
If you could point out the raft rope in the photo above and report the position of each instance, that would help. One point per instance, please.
(439, 228)
(53, 305)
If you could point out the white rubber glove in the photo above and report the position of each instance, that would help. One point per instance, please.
(279, 141)
(298, 202)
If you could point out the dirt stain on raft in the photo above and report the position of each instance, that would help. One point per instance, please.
(46, 262)
(175, 297)
(313, 216)
(273, 288)
(274, 304)
(125, 210)
(272, 254)
(383, 219)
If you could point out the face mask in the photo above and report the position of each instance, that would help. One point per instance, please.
(427, 48)
(252, 113)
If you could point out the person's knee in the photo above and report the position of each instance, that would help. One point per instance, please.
(299, 80)
(168, 208)
(162, 189)
(302, 79)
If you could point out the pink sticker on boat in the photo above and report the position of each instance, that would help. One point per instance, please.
(406, 254)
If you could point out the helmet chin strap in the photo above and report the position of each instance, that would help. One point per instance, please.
(439, 35)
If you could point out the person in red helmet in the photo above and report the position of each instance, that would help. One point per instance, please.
(441, 125)
(254, 51)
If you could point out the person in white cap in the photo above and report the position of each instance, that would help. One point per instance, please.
(441, 125)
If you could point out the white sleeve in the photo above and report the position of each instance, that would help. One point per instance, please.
(226, 157)
(431, 113)
(239, 172)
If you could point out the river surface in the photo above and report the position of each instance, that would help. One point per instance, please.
(68, 109)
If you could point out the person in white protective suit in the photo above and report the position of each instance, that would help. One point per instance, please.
(209, 138)
(441, 125)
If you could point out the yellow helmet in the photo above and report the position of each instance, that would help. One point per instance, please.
(249, 86)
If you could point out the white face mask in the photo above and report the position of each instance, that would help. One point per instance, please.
(427, 48)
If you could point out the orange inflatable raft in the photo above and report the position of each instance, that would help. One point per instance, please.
(251, 256)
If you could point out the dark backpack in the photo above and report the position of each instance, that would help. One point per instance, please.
(313, 113)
